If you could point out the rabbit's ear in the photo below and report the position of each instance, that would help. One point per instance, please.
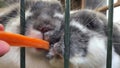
(57, 7)
(92, 20)
(39, 5)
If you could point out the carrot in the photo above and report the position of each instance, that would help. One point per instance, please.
(23, 41)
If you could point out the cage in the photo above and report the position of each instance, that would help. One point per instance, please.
(74, 5)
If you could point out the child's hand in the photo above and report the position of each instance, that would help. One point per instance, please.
(4, 47)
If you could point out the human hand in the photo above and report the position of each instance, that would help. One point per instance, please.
(4, 47)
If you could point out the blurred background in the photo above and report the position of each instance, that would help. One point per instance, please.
(78, 4)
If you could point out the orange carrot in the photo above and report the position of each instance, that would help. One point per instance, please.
(23, 41)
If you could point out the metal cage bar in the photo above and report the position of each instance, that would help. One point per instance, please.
(67, 34)
(22, 31)
(110, 31)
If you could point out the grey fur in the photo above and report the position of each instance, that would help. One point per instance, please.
(93, 21)
(96, 23)
(43, 18)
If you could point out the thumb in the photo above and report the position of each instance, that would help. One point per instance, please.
(1, 27)
(4, 47)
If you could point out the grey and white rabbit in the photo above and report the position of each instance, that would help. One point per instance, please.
(45, 20)
(41, 17)
(88, 42)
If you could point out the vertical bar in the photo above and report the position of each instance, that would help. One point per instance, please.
(67, 34)
(22, 31)
(82, 4)
(110, 30)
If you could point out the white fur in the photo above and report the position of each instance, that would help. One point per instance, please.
(115, 60)
(11, 59)
(58, 15)
(74, 11)
(14, 23)
(96, 57)
(28, 13)
(96, 54)
(79, 26)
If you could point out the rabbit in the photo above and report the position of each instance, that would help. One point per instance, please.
(41, 17)
(88, 42)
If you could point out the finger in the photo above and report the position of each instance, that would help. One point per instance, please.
(4, 48)
(1, 27)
